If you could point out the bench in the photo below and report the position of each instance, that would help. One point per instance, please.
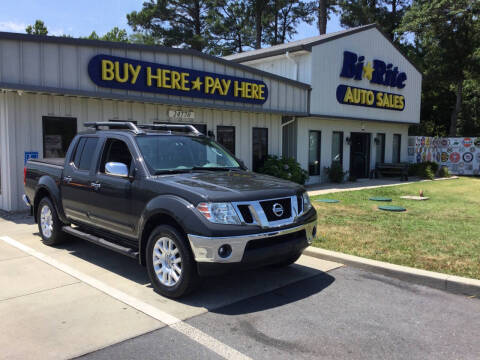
(392, 169)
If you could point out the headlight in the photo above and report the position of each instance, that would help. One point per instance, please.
(306, 202)
(219, 213)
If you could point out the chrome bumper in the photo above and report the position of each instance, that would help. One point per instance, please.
(205, 249)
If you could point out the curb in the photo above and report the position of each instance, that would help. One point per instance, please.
(450, 283)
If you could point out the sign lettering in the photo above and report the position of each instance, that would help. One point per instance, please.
(133, 75)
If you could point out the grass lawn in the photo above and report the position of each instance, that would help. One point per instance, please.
(441, 234)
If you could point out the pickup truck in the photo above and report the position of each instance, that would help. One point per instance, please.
(170, 197)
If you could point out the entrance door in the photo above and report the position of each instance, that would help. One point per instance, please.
(360, 155)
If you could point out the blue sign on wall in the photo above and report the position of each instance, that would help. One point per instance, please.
(30, 155)
(351, 95)
(133, 75)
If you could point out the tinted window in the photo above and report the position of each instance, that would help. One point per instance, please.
(337, 147)
(396, 148)
(226, 137)
(115, 151)
(380, 148)
(259, 147)
(88, 154)
(314, 142)
(58, 133)
(78, 151)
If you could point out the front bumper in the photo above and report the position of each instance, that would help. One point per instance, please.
(205, 249)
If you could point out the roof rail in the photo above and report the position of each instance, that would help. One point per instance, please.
(114, 124)
(171, 127)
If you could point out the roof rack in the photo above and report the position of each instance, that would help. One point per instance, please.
(171, 127)
(115, 124)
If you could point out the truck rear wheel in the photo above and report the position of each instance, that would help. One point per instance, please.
(170, 263)
(49, 224)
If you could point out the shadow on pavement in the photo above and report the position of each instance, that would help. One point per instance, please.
(213, 292)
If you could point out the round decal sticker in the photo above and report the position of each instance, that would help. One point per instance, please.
(467, 142)
(429, 156)
(449, 150)
(476, 142)
(445, 142)
(423, 141)
(454, 157)
(472, 149)
(462, 150)
(467, 157)
(437, 157)
(427, 141)
(419, 158)
(444, 157)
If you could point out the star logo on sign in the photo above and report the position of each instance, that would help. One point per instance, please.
(196, 85)
(367, 71)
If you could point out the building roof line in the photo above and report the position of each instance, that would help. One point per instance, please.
(143, 47)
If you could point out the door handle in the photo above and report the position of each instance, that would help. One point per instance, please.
(67, 179)
(96, 185)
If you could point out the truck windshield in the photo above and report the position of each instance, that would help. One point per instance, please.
(170, 153)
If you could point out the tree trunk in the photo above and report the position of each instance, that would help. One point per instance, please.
(258, 23)
(322, 16)
(456, 110)
(198, 24)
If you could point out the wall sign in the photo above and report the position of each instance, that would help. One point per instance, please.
(29, 155)
(380, 73)
(133, 75)
(181, 115)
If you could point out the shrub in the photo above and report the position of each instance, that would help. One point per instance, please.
(352, 178)
(424, 170)
(284, 168)
(335, 172)
(443, 172)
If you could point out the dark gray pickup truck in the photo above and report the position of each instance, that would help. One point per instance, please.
(170, 197)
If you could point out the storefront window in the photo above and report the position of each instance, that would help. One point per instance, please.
(226, 137)
(337, 147)
(58, 133)
(314, 143)
(380, 148)
(396, 148)
(259, 147)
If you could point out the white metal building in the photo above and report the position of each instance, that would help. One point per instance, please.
(348, 96)
(365, 94)
(50, 86)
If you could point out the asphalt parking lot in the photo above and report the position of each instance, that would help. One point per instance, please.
(82, 300)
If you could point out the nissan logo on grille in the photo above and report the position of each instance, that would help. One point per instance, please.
(277, 209)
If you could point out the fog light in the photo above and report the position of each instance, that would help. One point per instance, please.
(314, 232)
(224, 251)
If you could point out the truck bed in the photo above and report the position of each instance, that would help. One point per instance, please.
(50, 161)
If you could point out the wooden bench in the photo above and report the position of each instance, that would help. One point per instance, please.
(399, 169)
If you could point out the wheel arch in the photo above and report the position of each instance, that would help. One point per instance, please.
(159, 218)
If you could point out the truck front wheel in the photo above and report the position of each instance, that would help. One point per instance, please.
(49, 224)
(170, 263)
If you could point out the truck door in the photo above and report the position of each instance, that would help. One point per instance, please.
(76, 185)
(112, 205)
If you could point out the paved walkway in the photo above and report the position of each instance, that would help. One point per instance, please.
(362, 184)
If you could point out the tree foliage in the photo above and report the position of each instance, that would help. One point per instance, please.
(447, 42)
(38, 28)
(176, 23)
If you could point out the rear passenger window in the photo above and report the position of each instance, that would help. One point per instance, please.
(84, 153)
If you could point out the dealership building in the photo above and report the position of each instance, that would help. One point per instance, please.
(347, 97)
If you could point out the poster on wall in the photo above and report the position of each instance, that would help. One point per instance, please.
(460, 155)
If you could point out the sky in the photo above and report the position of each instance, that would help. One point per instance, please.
(81, 17)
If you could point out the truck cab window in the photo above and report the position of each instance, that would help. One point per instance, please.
(115, 151)
(84, 153)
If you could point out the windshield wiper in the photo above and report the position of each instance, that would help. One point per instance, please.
(215, 168)
(172, 171)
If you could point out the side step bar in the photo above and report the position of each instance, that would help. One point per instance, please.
(102, 242)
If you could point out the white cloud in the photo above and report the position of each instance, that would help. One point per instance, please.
(12, 26)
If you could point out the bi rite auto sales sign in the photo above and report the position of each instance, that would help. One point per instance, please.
(128, 74)
(381, 73)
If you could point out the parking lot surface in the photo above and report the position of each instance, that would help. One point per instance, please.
(82, 300)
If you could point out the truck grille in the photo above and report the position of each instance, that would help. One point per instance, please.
(246, 214)
(268, 208)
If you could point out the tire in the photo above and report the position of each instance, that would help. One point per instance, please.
(288, 261)
(49, 225)
(170, 264)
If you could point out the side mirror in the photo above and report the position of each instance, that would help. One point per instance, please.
(116, 169)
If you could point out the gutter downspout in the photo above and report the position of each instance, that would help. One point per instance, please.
(287, 55)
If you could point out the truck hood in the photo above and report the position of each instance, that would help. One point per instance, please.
(230, 185)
